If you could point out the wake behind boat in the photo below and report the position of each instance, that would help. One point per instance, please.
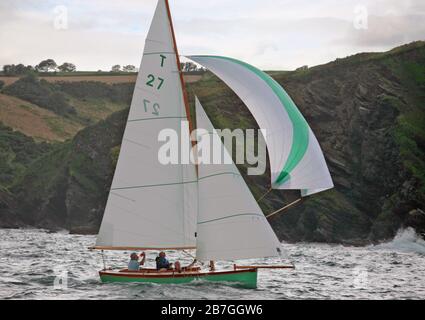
(202, 206)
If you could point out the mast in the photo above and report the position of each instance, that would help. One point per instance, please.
(183, 85)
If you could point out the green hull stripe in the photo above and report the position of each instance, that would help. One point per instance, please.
(232, 216)
(300, 127)
(247, 279)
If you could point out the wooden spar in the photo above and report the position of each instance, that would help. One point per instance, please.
(183, 85)
(267, 192)
(185, 97)
(103, 259)
(283, 208)
(138, 248)
(265, 267)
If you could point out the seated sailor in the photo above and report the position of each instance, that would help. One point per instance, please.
(134, 264)
(162, 262)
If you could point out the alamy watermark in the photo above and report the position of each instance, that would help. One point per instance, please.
(61, 278)
(360, 278)
(360, 21)
(60, 17)
(213, 147)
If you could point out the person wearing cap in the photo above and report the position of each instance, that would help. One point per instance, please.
(134, 264)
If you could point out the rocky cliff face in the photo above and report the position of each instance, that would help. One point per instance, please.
(8, 214)
(67, 188)
(367, 112)
(362, 110)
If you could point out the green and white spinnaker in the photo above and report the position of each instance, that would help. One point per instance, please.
(296, 159)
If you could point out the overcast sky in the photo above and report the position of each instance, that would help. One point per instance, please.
(270, 34)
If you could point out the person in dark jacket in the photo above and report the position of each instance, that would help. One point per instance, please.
(162, 262)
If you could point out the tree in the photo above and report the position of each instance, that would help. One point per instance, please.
(47, 65)
(129, 68)
(116, 68)
(30, 69)
(303, 68)
(1, 84)
(16, 70)
(6, 69)
(189, 67)
(20, 69)
(67, 67)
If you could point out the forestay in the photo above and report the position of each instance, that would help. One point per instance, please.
(231, 225)
(296, 159)
(151, 205)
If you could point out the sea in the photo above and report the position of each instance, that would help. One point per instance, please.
(37, 264)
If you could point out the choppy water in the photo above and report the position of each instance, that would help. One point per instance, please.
(36, 264)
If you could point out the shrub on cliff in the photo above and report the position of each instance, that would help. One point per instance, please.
(41, 93)
(17, 151)
(119, 92)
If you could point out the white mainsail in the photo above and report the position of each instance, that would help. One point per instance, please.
(231, 225)
(296, 159)
(151, 205)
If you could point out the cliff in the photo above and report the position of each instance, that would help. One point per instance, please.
(366, 110)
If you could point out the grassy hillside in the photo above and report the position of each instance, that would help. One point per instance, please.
(93, 95)
(56, 111)
(80, 76)
(36, 122)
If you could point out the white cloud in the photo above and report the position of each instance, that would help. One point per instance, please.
(271, 34)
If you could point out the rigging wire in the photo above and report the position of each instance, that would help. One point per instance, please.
(193, 257)
(283, 208)
(103, 259)
(267, 192)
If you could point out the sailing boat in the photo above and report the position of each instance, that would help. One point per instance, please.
(207, 207)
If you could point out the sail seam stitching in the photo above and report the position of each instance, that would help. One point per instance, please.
(150, 53)
(175, 183)
(156, 118)
(232, 216)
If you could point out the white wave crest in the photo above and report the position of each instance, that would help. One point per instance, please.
(406, 240)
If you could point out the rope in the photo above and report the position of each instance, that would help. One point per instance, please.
(267, 192)
(188, 254)
(193, 257)
(283, 208)
(103, 259)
